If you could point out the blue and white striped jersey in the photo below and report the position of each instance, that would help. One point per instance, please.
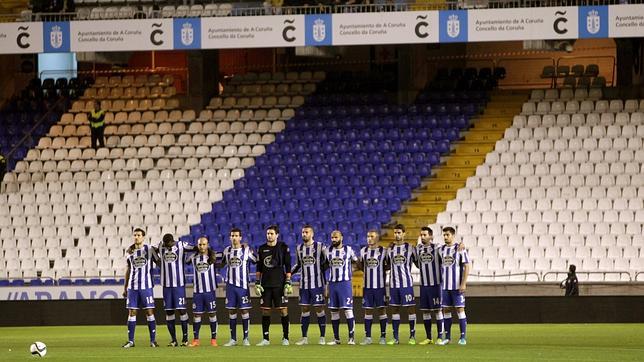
(309, 262)
(238, 267)
(172, 262)
(140, 263)
(373, 261)
(401, 258)
(452, 263)
(340, 261)
(205, 274)
(429, 264)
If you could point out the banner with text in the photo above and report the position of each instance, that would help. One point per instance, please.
(121, 35)
(252, 32)
(18, 38)
(383, 28)
(405, 27)
(523, 24)
(626, 21)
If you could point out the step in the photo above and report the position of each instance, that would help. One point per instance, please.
(473, 148)
(436, 195)
(483, 136)
(440, 187)
(465, 160)
(455, 173)
(491, 123)
(425, 207)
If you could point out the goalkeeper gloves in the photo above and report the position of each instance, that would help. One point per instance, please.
(288, 288)
(259, 290)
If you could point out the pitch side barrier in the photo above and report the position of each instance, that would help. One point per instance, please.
(584, 309)
(324, 29)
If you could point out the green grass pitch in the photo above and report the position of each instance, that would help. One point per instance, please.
(546, 342)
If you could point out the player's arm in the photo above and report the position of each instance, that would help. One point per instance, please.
(461, 246)
(354, 260)
(360, 262)
(386, 260)
(127, 280)
(189, 247)
(466, 273)
(252, 255)
(298, 263)
(260, 266)
(259, 290)
(212, 258)
(414, 257)
(287, 261)
(155, 255)
(324, 259)
(288, 288)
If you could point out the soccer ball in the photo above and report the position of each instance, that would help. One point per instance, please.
(38, 349)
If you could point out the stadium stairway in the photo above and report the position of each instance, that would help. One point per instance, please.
(436, 190)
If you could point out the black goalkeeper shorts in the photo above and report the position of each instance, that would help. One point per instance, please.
(273, 297)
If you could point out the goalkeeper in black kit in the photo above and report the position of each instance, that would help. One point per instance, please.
(273, 282)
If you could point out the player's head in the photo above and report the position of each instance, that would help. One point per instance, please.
(426, 235)
(307, 233)
(202, 245)
(97, 105)
(336, 238)
(139, 236)
(168, 240)
(235, 237)
(448, 235)
(372, 238)
(399, 233)
(271, 233)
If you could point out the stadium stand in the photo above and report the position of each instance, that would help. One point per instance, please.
(69, 209)
(564, 186)
(345, 161)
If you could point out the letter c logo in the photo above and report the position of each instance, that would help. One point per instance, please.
(154, 35)
(557, 24)
(20, 39)
(419, 27)
(287, 30)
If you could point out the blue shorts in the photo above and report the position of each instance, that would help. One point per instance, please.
(453, 298)
(373, 298)
(402, 297)
(340, 295)
(174, 298)
(430, 297)
(237, 298)
(140, 299)
(314, 296)
(204, 302)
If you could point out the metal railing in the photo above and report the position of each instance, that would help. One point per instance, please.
(84, 13)
(509, 275)
(559, 274)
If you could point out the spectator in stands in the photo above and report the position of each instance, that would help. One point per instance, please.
(70, 6)
(571, 282)
(97, 125)
(3, 166)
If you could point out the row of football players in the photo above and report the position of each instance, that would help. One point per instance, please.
(444, 270)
